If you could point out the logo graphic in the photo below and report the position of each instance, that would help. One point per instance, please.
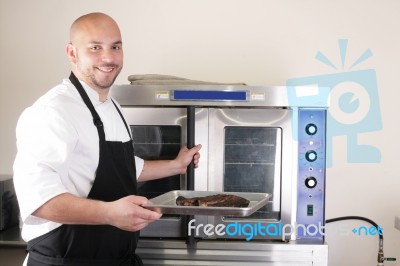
(363, 231)
(368, 231)
(249, 231)
(354, 104)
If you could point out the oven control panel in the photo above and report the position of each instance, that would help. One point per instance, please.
(311, 172)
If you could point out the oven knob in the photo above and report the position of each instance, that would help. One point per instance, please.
(311, 156)
(311, 182)
(311, 129)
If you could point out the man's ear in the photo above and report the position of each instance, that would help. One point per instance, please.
(71, 52)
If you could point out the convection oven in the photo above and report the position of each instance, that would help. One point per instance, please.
(255, 139)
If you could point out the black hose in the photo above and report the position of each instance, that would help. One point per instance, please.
(381, 257)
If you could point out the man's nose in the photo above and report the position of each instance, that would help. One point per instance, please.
(107, 55)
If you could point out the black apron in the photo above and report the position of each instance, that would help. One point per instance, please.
(90, 245)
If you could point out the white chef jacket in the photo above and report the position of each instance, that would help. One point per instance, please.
(58, 150)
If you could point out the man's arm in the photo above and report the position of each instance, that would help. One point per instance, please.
(163, 168)
(124, 213)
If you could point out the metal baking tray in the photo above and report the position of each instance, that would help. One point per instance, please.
(166, 203)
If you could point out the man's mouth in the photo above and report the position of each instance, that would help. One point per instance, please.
(106, 69)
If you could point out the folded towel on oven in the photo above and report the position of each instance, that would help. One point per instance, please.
(157, 79)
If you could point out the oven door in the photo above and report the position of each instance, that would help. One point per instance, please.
(158, 134)
(250, 151)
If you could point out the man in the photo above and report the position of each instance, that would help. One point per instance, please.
(75, 171)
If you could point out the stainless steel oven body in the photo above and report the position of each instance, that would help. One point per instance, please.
(255, 139)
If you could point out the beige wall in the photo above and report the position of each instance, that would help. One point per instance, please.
(260, 42)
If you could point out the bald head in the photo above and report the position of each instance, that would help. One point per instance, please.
(90, 22)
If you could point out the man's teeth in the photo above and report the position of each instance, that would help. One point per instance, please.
(106, 69)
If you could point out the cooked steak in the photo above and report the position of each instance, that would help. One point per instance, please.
(182, 201)
(219, 200)
(222, 200)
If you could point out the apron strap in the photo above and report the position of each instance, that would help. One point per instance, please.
(96, 118)
(126, 125)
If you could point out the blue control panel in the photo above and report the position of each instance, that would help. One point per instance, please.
(311, 173)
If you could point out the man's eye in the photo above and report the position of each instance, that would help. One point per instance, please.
(94, 48)
(117, 47)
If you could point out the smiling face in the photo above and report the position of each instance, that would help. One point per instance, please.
(95, 51)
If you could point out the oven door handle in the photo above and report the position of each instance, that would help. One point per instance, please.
(190, 242)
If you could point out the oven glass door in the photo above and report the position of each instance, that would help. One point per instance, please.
(157, 142)
(252, 151)
(158, 133)
(252, 164)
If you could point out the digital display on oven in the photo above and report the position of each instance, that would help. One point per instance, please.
(208, 95)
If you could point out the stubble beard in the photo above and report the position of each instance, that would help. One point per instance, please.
(100, 84)
(89, 74)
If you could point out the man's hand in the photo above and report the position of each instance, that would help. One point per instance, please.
(163, 168)
(185, 156)
(127, 213)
